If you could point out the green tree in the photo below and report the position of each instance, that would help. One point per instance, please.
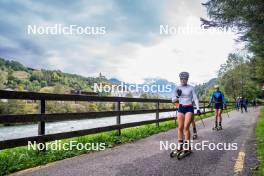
(246, 17)
(3, 79)
(36, 75)
(55, 77)
(236, 79)
(34, 86)
(128, 105)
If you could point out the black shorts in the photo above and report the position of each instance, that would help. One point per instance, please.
(185, 109)
(219, 106)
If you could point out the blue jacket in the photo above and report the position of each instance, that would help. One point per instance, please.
(217, 97)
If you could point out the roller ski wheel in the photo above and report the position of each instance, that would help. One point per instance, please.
(180, 154)
(215, 128)
(183, 154)
(195, 136)
(220, 128)
(174, 153)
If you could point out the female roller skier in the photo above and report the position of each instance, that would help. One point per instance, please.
(185, 94)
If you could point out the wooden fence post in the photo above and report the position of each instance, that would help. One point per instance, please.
(118, 117)
(157, 114)
(41, 124)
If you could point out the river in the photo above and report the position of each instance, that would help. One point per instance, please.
(19, 131)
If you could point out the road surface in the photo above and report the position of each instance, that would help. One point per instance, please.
(144, 156)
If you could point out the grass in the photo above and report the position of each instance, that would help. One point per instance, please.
(260, 143)
(15, 159)
(21, 74)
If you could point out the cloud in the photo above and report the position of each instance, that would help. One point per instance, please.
(132, 48)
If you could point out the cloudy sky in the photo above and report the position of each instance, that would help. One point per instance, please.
(132, 47)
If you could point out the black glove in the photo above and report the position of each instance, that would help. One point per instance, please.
(199, 112)
(179, 92)
(225, 106)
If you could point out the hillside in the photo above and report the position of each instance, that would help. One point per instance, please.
(16, 76)
(204, 90)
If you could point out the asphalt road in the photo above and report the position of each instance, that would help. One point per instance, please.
(144, 156)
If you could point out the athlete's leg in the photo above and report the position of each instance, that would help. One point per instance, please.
(180, 120)
(220, 117)
(187, 124)
(216, 118)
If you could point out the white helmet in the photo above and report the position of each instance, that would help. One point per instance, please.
(216, 86)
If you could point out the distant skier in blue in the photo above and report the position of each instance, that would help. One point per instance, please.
(219, 99)
(244, 104)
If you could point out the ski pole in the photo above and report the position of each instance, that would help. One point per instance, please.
(177, 108)
(227, 114)
(227, 111)
(202, 121)
(176, 116)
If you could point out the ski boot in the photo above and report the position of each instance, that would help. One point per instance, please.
(216, 126)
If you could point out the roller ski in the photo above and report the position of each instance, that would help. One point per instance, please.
(180, 153)
(217, 128)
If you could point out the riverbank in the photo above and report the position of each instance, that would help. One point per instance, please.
(260, 143)
(12, 132)
(12, 160)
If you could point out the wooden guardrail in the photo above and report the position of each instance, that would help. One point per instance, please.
(43, 117)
